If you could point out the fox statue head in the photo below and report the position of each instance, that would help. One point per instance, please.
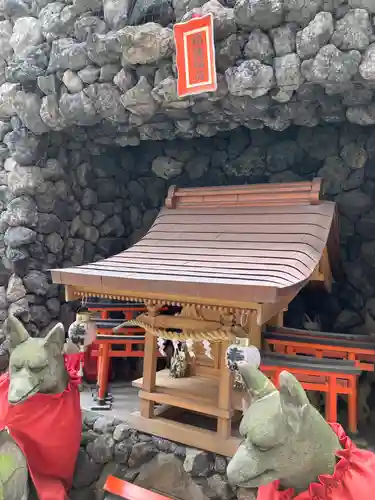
(284, 437)
(36, 365)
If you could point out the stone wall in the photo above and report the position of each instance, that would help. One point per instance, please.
(84, 83)
(84, 201)
(63, 210)
(110, 446)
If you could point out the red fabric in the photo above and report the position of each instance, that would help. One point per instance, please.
(48, 429)
(353, 478)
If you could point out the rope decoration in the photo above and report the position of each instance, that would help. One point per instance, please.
(212, 336)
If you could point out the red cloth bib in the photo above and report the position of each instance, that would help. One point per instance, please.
(353, 478)
(48, 430)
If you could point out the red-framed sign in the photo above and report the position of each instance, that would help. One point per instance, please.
(195, 56)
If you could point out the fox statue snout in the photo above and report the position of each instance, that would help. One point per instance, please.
(22, 386)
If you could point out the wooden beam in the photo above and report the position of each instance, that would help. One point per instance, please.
(179, 322)
(69, 293)
(323, 272)
(224, 424)
(115, 294)
(269, 311)
(255, 330)
(326, 270)
(277, 320)
(149, 370)
(186, 434)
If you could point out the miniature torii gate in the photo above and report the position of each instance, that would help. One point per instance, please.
(232, 258)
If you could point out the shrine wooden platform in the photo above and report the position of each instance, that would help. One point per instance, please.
(197, 394)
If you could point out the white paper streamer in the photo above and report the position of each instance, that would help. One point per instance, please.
(189, 345)
(161, 346)
(207, 348)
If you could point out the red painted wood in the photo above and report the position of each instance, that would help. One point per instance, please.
(129, 491)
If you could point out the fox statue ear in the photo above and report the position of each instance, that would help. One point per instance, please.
(56, 337)
(17, 332)
(293, 400)
(256, 383)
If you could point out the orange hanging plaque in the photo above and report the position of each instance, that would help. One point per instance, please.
(195, 56)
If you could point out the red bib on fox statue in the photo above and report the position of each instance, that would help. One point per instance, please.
(353, 478)
(47, 428)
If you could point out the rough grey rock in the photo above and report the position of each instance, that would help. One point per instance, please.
(72, 81)
(101, 449)
(138, 100)
(36, 282)
(54, 243)
(15, 290)
(27, 106)
(259, 47)
(197, 462)
(47, 84)
(22, 146)
(334, 174)
(367, 66)
(16, 8)
(20, 211)
(353, 31)
(40, 316)
(26, 32)
(51, 114)
(87, 25)
(354, 156)
(145, 44)
(48, 223)
(108, 72)
(263, 14)
(361, 115)
(331, 65)
(250, 78)
(16, 237)
(57, 20)
(151, 10)
(67, 54)
(223, 18)
(229, 51)
(104, 48)
(6, 49)
(181, 7)
(20, 309)
(284, 39)
(124, 80)
(300, 11)
(116, 12)
(315, 35)
(362, 4)
(28, 66)
(287, 73)
(77, 109)
(166, 168)
(107, 102)
(8, 92)
(89, 74)
(25, 180)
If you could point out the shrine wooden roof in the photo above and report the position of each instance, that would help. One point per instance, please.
(220, 246)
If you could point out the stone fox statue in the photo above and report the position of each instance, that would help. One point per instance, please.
(40, 416)
(290, 452)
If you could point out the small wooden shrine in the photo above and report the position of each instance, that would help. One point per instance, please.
(232, 259)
